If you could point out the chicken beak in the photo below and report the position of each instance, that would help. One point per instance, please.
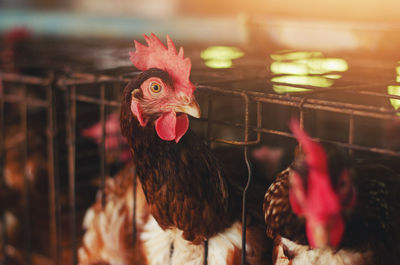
(321, 235)
(192, 108)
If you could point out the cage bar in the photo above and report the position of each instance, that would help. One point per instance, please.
(316, 104)
(351, 133)
(78, 81)
(71, 140)
(23, 79)
(26, 195)
(54, 211)
(209, 117)
(205, 244)
(134, 227)
(2, 172)
(102, 145)
(249, 177)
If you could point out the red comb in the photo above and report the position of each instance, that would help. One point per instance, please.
(316, 155)
(15, 34)
(156, 55)
(322, 200)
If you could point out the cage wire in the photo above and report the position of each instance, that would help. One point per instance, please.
(231, 116)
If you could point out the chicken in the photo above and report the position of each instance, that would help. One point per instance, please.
(24, 184)
(190, 196)
(11, 43)
(115, 145)
(109, 231)
(327, 209)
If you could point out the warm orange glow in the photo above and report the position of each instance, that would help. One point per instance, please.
(369, 10)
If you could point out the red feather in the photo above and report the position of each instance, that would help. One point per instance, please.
(156, 55)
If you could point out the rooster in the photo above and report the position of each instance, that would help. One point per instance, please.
(326, 209)
(188, 200)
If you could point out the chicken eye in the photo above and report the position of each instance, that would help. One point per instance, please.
(155, 87)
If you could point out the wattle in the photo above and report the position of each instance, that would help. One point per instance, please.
(171, 127)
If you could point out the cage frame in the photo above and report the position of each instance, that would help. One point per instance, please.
(68, 85)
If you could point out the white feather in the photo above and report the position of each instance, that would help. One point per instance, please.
(158, 242)
(304, 255)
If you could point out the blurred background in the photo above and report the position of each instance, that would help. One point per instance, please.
(220, 19)
(63, 65)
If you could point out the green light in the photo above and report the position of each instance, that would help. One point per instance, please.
(294, 56)
(304, 69)
(288, 89)
(324, 65)
(305, 66)
(218, 63)
(317, 81)
(288, 68)
(394, 90)
(332, 76)
(220, 56)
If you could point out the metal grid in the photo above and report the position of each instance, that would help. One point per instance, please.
(253, 128)
(71, 86)
(24, 102)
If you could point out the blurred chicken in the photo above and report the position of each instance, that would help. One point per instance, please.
(324, 209)
(24, 186)
(117, 148)
(12, 40)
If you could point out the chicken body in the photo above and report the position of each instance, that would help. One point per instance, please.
(288, 252)
(369, 209)
(191, 197)
(109, 239)
(183, 184)
(175, 217)
(370, 226)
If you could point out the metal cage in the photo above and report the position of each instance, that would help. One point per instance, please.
(69, 98)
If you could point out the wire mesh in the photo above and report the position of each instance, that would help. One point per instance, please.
(2, 170)
(79, 97)
(16, 100)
